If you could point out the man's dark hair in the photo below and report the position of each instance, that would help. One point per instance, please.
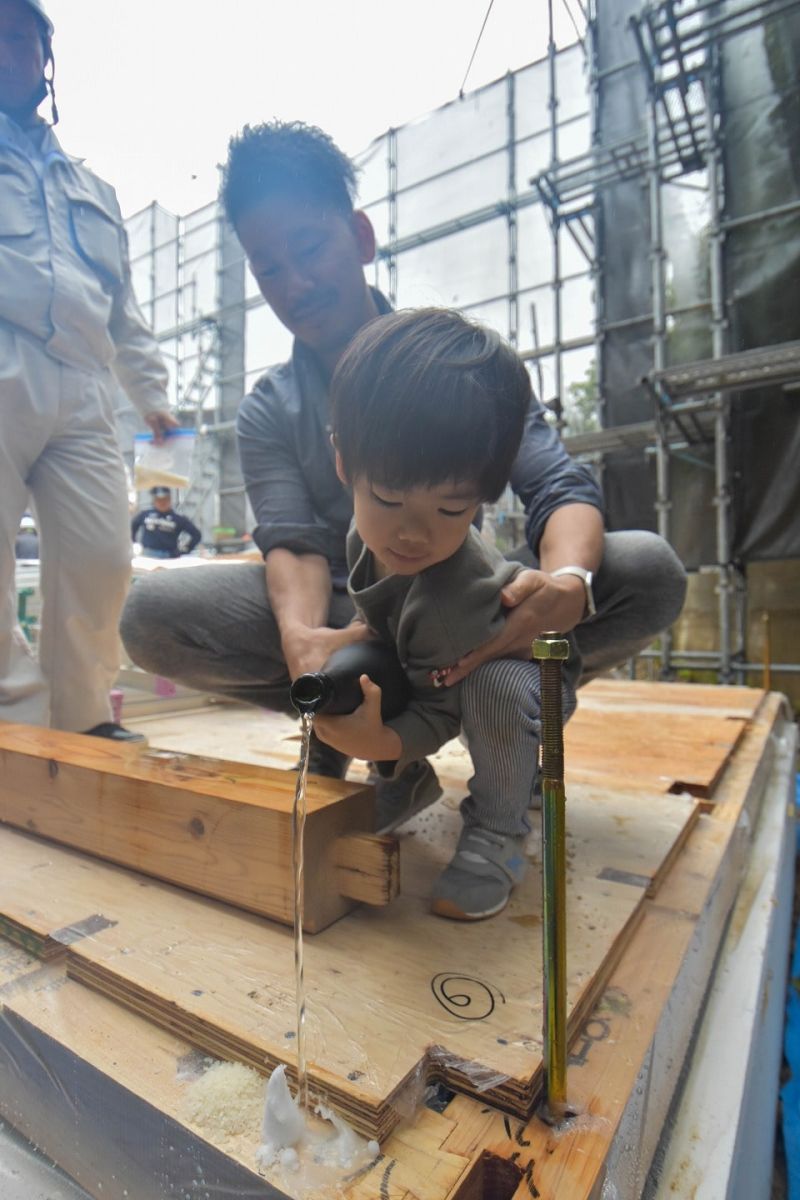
(286, 158)
(424, 397)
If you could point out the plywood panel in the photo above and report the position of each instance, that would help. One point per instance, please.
(393, 996)
(613, 1045)
(627, 1057)
(640, 749)
(102, 1093)
(626, 734)
(692, 698)
(72, 1059)
(666, 737)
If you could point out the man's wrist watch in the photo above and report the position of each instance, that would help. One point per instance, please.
(586, 576)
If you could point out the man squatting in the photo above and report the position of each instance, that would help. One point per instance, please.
(245, 631)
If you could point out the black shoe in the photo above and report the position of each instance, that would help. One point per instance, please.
(324, 760)
(116, 733)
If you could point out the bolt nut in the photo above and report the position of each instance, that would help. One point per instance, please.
(550, 647)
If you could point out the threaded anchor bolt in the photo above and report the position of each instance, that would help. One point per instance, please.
(550, 650)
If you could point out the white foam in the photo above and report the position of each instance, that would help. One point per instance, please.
(315, 1151)
(283, 1124)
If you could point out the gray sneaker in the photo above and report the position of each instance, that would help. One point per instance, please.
(397, 800)
(481, 875)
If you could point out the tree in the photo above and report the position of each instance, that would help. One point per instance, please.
(581, 410)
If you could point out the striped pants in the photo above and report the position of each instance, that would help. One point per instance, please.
(500, 706)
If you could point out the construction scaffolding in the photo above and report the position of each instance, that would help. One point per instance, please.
(678, 46)
(578, 205)
(458, 222)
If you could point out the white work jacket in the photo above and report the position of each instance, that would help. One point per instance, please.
(64, 272)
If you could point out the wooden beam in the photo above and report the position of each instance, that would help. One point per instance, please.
(368, 868)
(220, 828)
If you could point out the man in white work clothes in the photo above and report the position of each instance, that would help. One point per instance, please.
(67, 315)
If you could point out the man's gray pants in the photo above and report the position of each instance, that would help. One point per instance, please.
(58, 444)
(211, 627)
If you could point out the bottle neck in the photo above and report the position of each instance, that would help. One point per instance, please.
(311, 692)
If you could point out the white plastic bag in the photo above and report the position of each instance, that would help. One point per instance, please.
(164, 464)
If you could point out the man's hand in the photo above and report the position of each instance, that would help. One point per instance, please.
(307, 648)
(361, 734)
(160, 423)
(538, 603)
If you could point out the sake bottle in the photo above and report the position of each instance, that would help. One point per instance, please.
(336, 690)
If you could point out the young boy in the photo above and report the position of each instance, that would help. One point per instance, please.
(428, 411)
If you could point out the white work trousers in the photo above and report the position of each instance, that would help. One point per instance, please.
(57, 442)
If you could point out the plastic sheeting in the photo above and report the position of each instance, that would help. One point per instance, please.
(761, 97)
(438, 191)
(429, 178)
(27, 1175)
(626, 286)
(761, 135)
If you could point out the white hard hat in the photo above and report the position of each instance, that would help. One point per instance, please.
(27, 522)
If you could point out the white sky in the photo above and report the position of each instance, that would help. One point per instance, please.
(149, 91)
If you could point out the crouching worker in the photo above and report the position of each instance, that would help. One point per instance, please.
(428, 411)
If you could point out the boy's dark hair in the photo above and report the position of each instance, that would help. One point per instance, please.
(286, 158)
(424, 397)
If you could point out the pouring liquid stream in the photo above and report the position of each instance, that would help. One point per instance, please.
(311, 1153)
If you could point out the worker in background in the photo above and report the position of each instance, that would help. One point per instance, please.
(288, 192)
(26, 544)
(67, 313)
(162, 532)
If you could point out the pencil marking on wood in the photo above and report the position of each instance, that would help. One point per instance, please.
(365, 1170)
(457, 993)
(596, 1029)
(528, 1178)
(385, 1178)
(616, 876)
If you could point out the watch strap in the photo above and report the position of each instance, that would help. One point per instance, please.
(586, 578)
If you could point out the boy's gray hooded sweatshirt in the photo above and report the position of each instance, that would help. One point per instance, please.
(433, 619)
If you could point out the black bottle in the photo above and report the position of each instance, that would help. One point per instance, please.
(335, 689)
